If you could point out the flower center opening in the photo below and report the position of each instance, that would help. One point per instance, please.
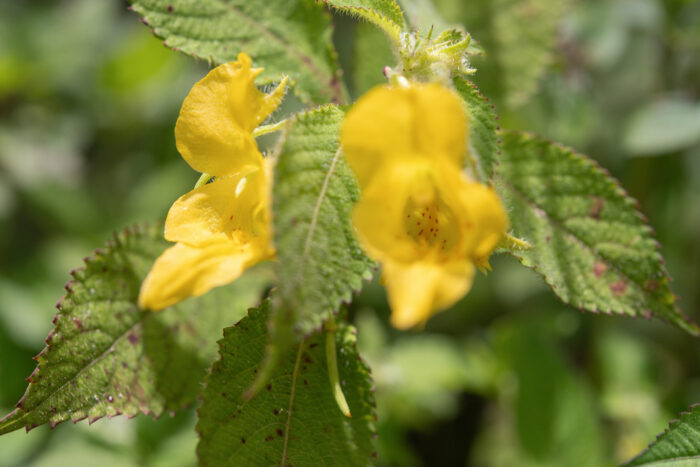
(431, 225)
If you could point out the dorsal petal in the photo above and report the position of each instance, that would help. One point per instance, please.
(389, 123)
(213, 131)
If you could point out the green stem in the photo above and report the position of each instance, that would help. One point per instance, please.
(265, 129)
(203, 180)
(332, 362)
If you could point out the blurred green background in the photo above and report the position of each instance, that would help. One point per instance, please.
(509, 376)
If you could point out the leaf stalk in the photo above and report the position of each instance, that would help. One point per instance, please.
(332, 362)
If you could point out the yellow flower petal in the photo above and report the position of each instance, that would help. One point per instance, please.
(487, 219)
(418, 290)
(221, 228)
(271, 101)
(213, 131)
(183, 271)
(417, 210)
(422, 120)
(427, 225)
(226, 207)
(419, 215)
(379, 215)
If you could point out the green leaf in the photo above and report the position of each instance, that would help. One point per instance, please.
(320, 263)
(386, 14)
(295, 420)
(590, 243)
(106, 357)
(483, 125)
(545, 413)
(291, 37)
(555, 413)
(678, 446)
(663, 126)
(525, 31)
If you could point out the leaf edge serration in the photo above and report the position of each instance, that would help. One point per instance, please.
(683, 321)
(119, 238)
(669, 428)
(349, 337)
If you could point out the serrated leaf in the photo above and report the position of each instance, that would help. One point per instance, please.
(291, 37)
(386, 14)
(525, 31)
(483, 127)
(678, 446)
(105, 357)
(320, 263)
(295, 419)
(590, 243)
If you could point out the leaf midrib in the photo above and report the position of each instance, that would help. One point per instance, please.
(314, 218)
(143, 317)
(292, 395)
(673, 315)
(89, 365)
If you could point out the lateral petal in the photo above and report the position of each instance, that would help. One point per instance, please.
(379, 214)
(229, 206)
(487, 221)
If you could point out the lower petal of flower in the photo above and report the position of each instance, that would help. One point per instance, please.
(418, 290)
(183, 271)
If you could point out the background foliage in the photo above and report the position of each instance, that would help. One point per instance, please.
(510, 376)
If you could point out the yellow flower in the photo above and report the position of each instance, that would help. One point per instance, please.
(419, 215)
(223, 227)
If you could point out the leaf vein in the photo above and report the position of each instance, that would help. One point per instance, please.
(314, 217)
(89, 365)
(558, 223)
(292, 394)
